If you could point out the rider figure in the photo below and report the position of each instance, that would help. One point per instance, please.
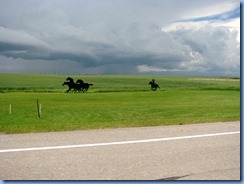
(154, 86)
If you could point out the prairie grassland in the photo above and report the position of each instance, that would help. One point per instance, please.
(113, 101)
(109, 83)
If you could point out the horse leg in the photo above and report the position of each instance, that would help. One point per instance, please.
(80, 88)
(75, 90)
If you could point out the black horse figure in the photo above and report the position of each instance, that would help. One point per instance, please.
(71, 85)
(84, 86)
(70, 82)
(154, 86)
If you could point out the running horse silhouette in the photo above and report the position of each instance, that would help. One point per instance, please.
(154, 86)
(70, 83)
(84, 86)
(74, 86)
(78, 86)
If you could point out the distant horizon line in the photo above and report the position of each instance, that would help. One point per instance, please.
(138, 74)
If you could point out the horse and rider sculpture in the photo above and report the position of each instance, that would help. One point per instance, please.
(79, 85)
(154, 86)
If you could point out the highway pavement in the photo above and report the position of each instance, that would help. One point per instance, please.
(208, 151)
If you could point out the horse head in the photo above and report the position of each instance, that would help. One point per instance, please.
(64, 83)
(70, 79)
(79, 81)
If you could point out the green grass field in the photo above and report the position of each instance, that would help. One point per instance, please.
(114, 101)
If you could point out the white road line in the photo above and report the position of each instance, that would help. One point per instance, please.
(117, 143)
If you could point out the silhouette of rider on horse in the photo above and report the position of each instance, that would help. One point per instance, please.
(154, 86)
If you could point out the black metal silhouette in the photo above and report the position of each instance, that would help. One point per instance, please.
(84, 86)
(70, 83)
(79, 86)
(73, 86)
(154, 86)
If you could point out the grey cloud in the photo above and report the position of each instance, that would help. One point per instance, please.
(215, 49)
(112, 37)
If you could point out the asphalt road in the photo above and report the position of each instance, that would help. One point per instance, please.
(148, 153)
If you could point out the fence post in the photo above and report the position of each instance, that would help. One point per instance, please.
(38, 110)
(10, 109)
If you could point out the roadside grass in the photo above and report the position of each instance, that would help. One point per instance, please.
(113, 101)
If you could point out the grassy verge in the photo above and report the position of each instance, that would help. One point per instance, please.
(115, 101)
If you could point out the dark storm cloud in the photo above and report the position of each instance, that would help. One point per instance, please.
(119, 36)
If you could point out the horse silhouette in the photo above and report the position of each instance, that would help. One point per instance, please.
(154, 86)
(84, 86)
(71, 85)
(78, 86)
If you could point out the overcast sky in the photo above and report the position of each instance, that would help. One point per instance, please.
(178, 37)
